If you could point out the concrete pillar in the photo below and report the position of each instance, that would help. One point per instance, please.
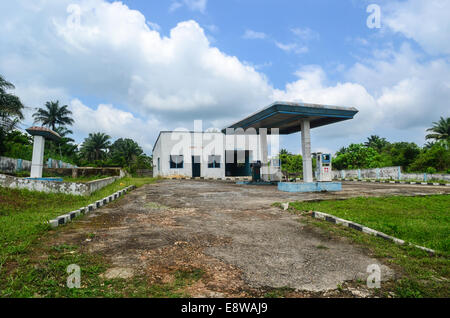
(37, 162)
(306, 151)
(263, 148)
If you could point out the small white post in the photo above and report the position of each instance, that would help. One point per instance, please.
(37, 162)
(306, 150)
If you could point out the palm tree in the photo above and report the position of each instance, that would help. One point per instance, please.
(64, 132)
(376, 142)
(95, 146)
(10, 106)
(53, 115)
(125, 151)
(440, 129)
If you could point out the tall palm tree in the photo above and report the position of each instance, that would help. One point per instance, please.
(53, 115)
(376, 142)
(440, 129)
(10, 106)
(95, 146)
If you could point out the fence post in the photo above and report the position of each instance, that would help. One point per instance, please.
(425, 177)
(19, 165)
(377, 171)
(359, 174)
(399, 175)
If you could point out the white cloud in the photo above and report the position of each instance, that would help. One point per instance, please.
(426, 22)
(250, 34)
(305, 34)
(292, 47)
(311, 87)
(115, 122)
(114, 57)
(193, 5)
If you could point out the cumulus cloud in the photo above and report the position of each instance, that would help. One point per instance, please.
(107, 50)
(426, 22)
(137, 81)
(117, 123)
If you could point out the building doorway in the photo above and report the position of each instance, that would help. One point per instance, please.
(196, 166)
(233, 168)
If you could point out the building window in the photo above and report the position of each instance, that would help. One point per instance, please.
(213, 161)
(176, 161)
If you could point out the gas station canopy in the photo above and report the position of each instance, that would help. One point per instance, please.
(286, 116)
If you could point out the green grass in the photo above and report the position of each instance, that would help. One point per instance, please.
(47, 277)
(420, 274)
(30, 267)
(422, 220)
(23, 213)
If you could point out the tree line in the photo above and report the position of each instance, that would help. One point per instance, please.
(96, 150)
(377, 152)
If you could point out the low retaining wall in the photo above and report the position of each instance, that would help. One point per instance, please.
(74, 188)
(392, 173)
(309, 186)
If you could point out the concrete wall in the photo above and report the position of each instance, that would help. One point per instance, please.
(394, 173)
(11, 165)
(55, 187)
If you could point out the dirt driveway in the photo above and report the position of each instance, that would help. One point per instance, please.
(244, 245)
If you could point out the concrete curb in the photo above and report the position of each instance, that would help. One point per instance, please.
(211, 178)
(66, 218)
(397, 182)
(361, 228)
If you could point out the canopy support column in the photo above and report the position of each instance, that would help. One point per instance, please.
(306, 150)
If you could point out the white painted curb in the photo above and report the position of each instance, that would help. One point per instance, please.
(66, 218)
(364, 229)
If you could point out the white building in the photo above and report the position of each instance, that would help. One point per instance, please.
(230, 152)
(203, 154)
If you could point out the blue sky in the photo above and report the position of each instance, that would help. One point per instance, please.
(133, 68)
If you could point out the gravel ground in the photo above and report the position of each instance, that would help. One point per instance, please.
(232, 232)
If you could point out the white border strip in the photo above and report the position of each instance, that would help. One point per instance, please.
(68, 217)
(361, 228)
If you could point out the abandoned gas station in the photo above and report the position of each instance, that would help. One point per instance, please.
(241, 149)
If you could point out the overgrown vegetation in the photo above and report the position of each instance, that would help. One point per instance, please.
(421, 274)
(23, 215)
(96, 150)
